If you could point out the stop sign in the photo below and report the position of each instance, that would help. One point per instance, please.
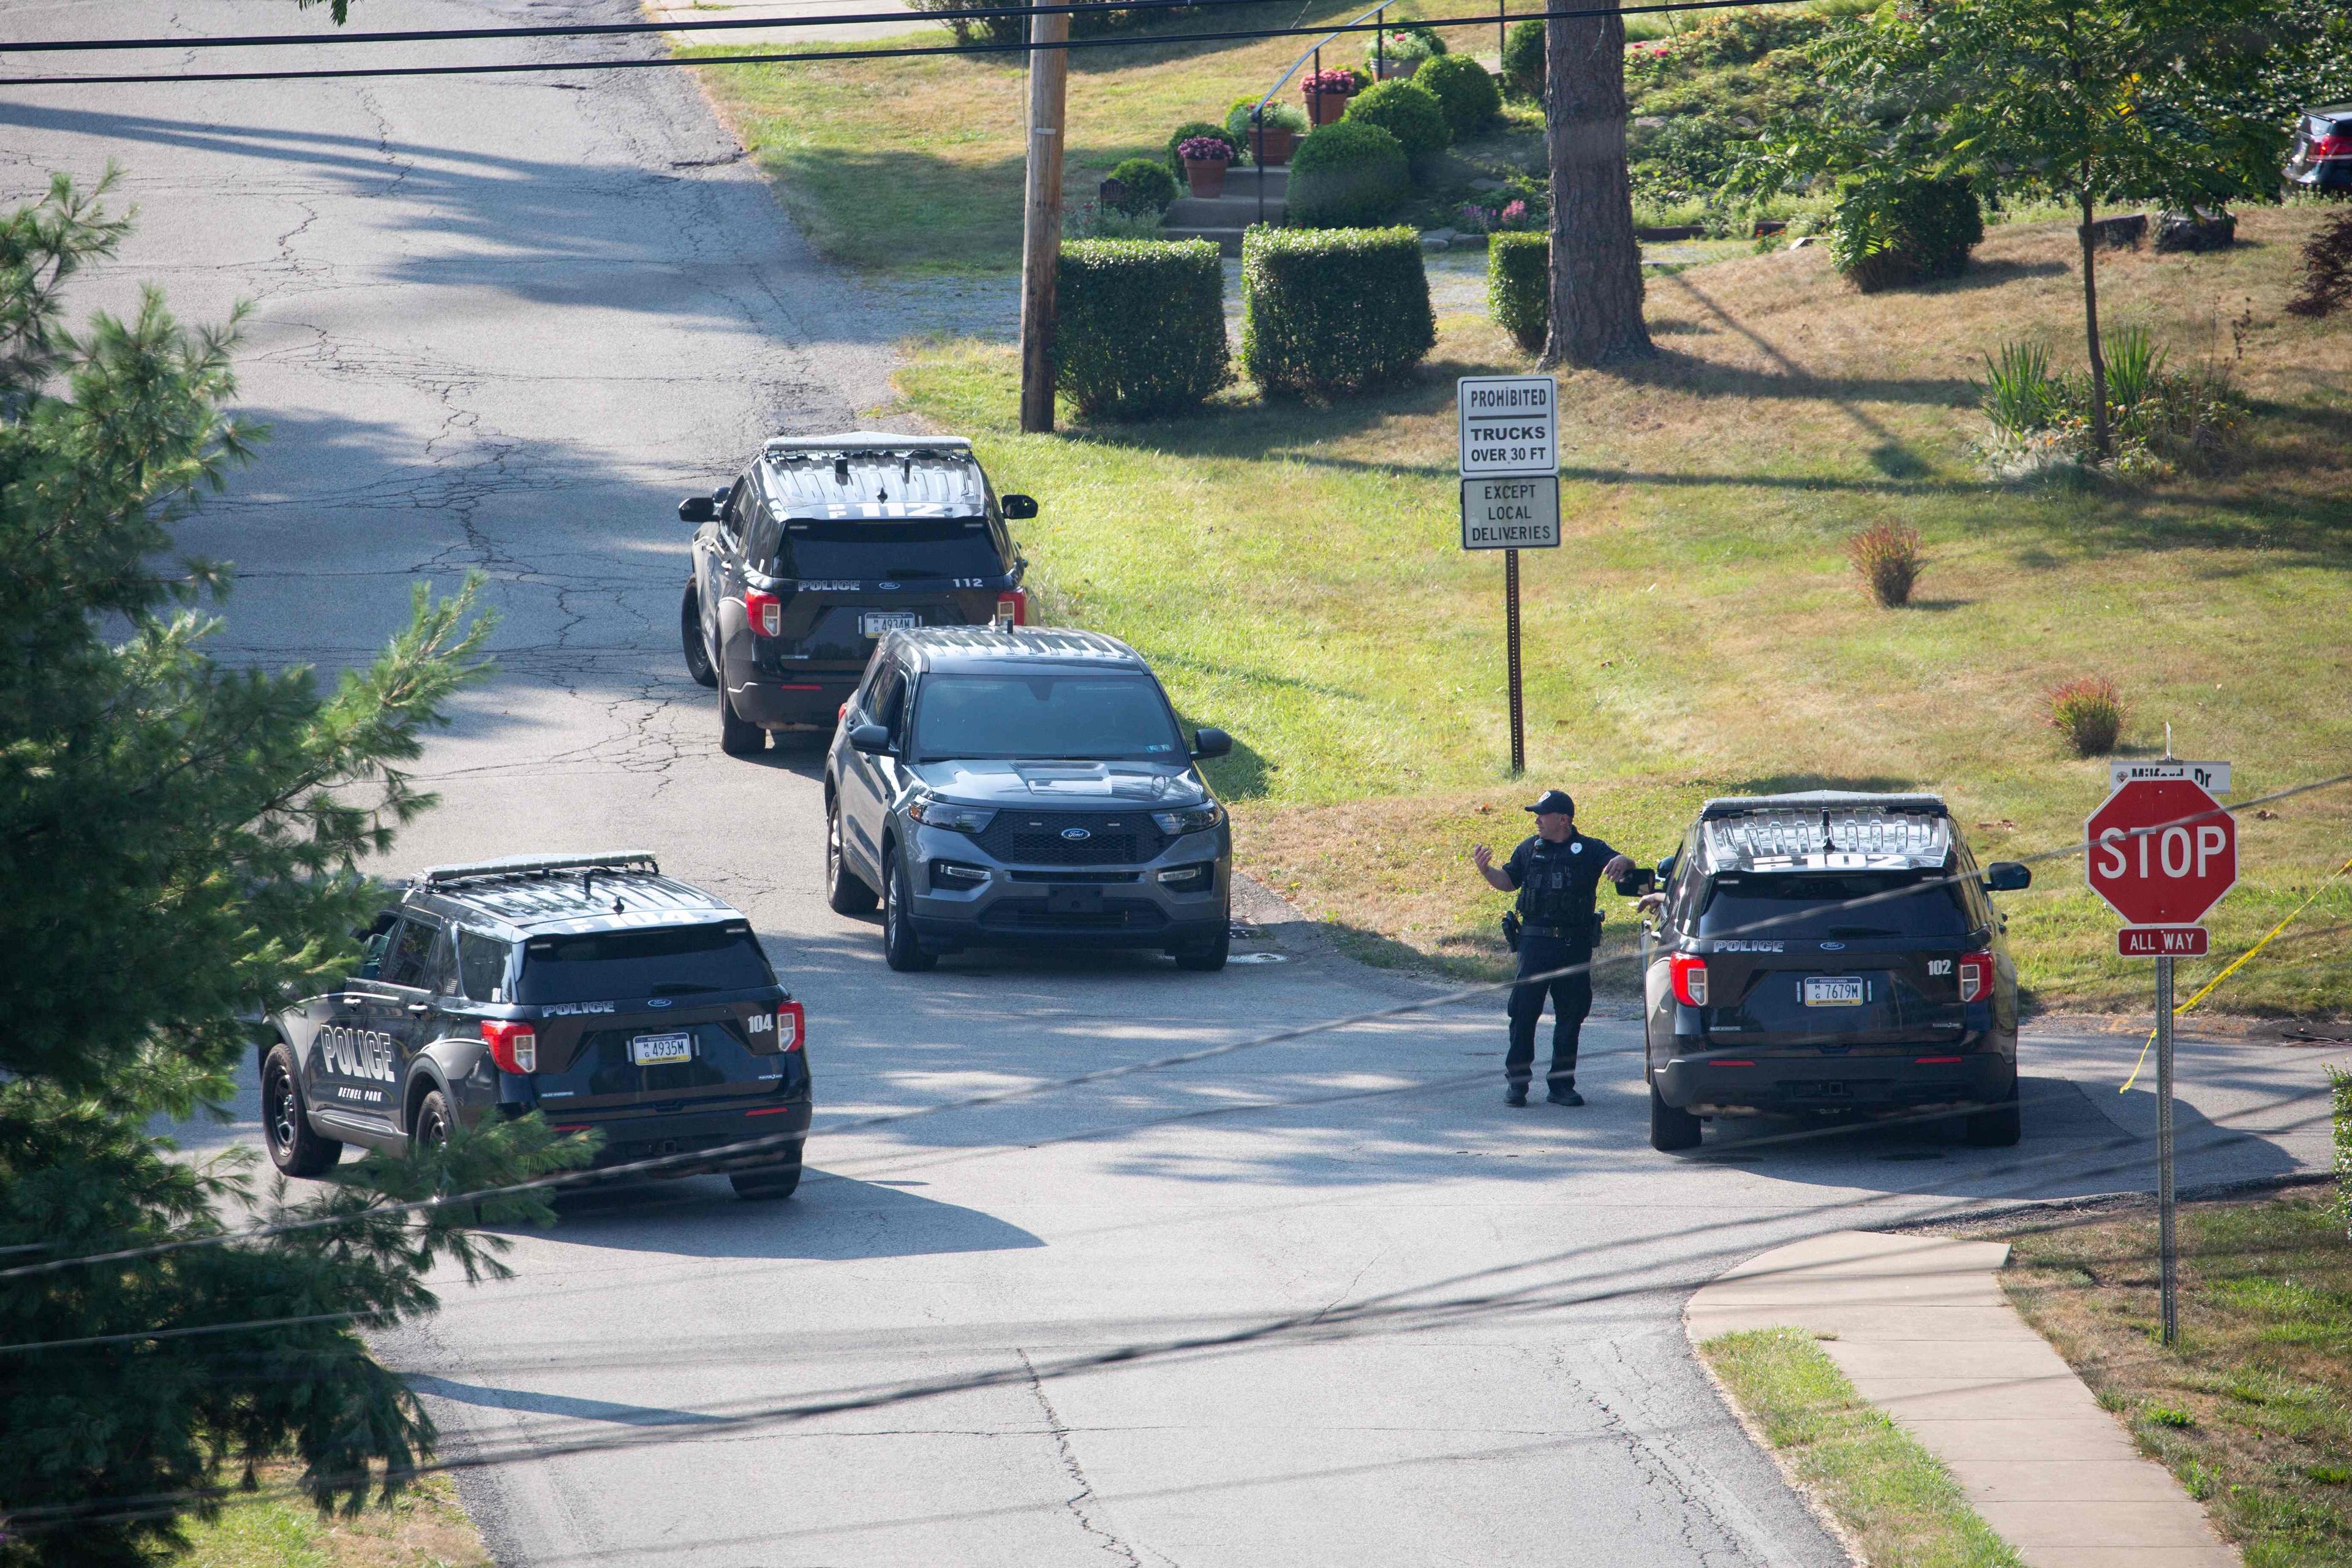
(2161, 851)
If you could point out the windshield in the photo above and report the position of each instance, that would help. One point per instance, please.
(926, 548)
(1092, 718)
(1806, 906)
(622, 965)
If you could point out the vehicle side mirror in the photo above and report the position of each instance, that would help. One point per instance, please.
(697, 509)
(871, 739)
(1666, 869)
(1019, 509)
(1211, 742)
(2009, 877)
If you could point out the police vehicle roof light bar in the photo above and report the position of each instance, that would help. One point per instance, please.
(530, 864)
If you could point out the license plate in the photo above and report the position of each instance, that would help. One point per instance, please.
(1839, 991)
(874, 623)
(1074, 901)
(653, 1050)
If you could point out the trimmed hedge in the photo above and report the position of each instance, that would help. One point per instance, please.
(1142, 325)
(1523, 61)
(1407, 111)
(1327, 311)
(1193, 128)
(1345, 176)
(1887, 232)
(1518, 286)
(1150, 187)
(1465, 92)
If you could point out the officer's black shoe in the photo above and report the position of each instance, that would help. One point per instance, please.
(1515, 1095)
(1563, 1097)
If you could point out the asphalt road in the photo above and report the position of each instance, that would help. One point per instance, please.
(1324, 1301)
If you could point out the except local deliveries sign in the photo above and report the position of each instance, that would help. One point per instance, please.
(2162, 852)
(1510, 425)
(1511, 514)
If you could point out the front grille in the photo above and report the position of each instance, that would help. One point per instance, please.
(1041, 839)
(1031, 914)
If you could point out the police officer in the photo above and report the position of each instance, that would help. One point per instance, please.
(1556, 874)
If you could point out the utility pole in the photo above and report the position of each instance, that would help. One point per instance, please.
(1041, 234)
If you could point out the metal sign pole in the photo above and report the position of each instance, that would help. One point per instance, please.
(2167, 1255)
(1511, 625)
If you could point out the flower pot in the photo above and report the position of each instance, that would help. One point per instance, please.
(1327, 107)
(1390, 68)
(1205, 175)
(1272, 145)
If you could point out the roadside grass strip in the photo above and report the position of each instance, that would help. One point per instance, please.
(1894, 1501)
(2253, 1411)
(425, 1526)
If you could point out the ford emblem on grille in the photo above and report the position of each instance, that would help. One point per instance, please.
(658, 1002)
(888, 588)
(1076, 834)
(1832, 947)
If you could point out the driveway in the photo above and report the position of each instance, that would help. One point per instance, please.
(1323, 1301)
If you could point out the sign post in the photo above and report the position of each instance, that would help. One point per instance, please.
(2162, 851)
(1510, 494)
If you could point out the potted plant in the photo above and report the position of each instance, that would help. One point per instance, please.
(1269, 137)
(1326, 94)
(1205, 158)
(1397, 52)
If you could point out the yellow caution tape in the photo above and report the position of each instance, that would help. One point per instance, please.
(2207, 989)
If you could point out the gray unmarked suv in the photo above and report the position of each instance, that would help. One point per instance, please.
(1000, 786)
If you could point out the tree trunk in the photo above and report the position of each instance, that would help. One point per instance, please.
(2100, 440)
(1596, 264)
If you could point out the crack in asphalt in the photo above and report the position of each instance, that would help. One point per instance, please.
(1081, 1503)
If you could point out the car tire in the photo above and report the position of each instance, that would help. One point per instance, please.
(1998, 1128)
(1207, 957)
(1671, 1130)
(431, 1128)
(736, 737)
(689, 636)
(776, 1181)
(845, 893)
(294, 1148)
(899, 948)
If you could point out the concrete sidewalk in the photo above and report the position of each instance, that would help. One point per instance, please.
(1924, 1332)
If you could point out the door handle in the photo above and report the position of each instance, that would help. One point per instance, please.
(419, 1008)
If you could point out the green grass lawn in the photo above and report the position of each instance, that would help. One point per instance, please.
(425, 1528)
(1293, 571)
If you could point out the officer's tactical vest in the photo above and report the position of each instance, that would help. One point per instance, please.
(1558, 888)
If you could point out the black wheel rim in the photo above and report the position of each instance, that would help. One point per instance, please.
(432, 1131)
(278, 1099)
(832, 849)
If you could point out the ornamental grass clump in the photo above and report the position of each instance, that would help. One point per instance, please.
(1888, 558)
(2089, 711)
(2161, 419)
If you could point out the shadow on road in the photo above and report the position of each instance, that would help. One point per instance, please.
(833, 1218)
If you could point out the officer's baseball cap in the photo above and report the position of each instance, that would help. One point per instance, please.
(1555, 800)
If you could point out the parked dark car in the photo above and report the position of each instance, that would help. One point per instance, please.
(822, 545)
(995, 787)
(1825, 952)
(592, 988)
(2321, 159)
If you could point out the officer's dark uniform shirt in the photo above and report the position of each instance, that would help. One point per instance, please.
(1557, 884)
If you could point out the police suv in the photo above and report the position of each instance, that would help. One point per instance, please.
(1829, 951)
(590, 987)
(822, 546)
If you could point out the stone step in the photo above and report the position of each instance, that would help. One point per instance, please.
(1227, 240)
(1228, 211)
(1245, 181)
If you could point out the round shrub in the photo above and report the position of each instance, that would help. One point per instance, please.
(1518, 286)
(1888, 232)
(1523, 61)
(1465, 94)
(1345, 176)
(1149, 185)
(1193, 128)
(1142, 325)
(1328, 310)
(1405, 110)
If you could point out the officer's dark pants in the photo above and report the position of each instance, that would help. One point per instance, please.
(1571, 999)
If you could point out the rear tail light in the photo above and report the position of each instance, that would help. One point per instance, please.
(1689, 973)
(2331, 147)
(1976, 975)
(514, 1046)
(1012, 609)
(765, 612)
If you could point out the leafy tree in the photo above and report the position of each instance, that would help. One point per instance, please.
(1596, 262)
(2087, 102)
(179, 842)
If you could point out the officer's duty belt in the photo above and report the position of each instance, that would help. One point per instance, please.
(1557, 933)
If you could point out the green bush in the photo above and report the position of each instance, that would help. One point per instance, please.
(1465, 94)
(1193, 128)
(1523, 61)
(1328, 310)
(1007, 21)
(1141, 326)
(1150, 187)
(1345, 175)
(1888, 231)
(1407, 111)
(1518, 286)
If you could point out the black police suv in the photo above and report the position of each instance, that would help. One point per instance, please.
(1828, 951)
(589, 987)
(994, 788)
(2321, 158)
(826, 543)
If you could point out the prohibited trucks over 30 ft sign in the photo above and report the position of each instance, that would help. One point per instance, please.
(1510, 425)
